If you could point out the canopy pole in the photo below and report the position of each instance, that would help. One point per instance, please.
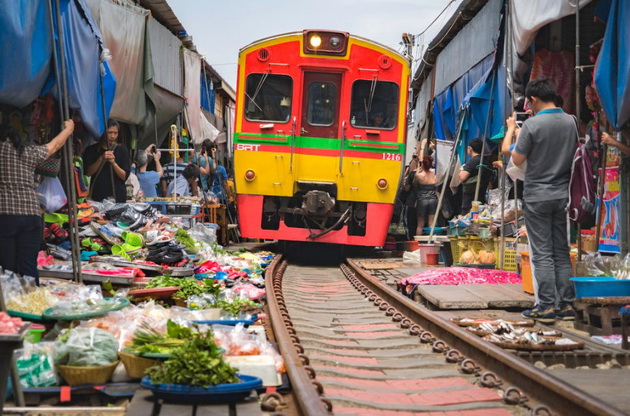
(485, 136)
(578, 105)
(448, 172)
(62, 90)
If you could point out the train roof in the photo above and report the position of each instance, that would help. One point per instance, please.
(350, 35)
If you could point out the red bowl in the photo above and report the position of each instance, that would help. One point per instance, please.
(156, 292)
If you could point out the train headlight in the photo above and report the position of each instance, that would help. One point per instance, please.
(382, 183)
(250, 175)
(335, 42)
(315, 41)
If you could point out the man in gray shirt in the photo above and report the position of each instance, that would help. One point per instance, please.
(548, 142)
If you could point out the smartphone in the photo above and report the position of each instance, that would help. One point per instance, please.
(520, 118)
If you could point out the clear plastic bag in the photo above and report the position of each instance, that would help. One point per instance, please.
(516, 172)
(203, 234)
(53, 193)
(86, 347)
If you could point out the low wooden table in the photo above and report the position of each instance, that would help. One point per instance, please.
(600, 315)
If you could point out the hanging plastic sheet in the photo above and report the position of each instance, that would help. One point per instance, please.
(25, 50)
(124, 29)
(83, 49)
(207, 95)
(192, 89)
(527, 17)
(483, 96)
(208, 131)
(612, 71)
(165, 56)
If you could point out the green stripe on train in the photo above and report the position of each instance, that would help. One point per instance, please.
(317, 142)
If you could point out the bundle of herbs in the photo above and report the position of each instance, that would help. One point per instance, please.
(147, 340)
(199, 362)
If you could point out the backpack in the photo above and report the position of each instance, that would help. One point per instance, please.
(582, 186)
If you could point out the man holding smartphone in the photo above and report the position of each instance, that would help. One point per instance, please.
(149, 180)
(548, 142)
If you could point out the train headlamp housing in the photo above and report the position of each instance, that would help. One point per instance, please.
(322, 42)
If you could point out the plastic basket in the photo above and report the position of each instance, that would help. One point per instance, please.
(471, 243)
(79, 376)
(509, 253)
(455, 249)
(135, 365)
(456, 230)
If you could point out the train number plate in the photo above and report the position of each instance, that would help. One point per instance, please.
(392, 156)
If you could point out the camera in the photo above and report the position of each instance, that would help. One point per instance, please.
(520, 118)
(153, 150)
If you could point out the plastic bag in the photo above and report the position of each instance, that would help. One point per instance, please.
(35, 365)
(411, 256)
(86, 347)
(203, 234)
(54, 194)
(516, 172)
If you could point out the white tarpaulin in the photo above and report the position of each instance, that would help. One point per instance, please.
(192, 93)
(123, 29)
(530, 15)
(208, 131)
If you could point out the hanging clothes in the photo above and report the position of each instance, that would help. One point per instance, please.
(560, 68)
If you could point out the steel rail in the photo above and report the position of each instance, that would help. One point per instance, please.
(543, 386)
(304, 390)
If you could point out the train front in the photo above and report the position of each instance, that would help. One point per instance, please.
(320, 137)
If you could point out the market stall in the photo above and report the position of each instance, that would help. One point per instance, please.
(158, 296)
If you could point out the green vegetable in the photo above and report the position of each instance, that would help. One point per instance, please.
(86, 347)
(184, 238)
(146, 339)
(189, 286)
(237, 306)
(197, 363)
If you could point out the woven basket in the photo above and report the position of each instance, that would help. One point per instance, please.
(79, 376)
(136, 365)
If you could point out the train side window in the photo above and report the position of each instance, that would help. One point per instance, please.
(322, 104)
(374, 104)
(268, 97)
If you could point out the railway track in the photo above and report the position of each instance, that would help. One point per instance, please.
(354, 346)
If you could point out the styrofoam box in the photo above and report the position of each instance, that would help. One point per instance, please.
(262, 366)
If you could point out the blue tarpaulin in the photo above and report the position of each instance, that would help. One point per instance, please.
(612, 71)
(26, 69)
(207, 95)
(25, 50)
(83, 45)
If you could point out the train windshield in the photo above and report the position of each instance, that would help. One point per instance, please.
(374, 104)
(322, 103)
(268, 97)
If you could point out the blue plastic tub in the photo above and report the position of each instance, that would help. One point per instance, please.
(591, 287)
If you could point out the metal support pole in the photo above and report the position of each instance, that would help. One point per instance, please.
(578, 105)
(68, 150)
(485, 136)
(448, 171)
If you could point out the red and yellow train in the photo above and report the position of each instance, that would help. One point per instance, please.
(320, 137)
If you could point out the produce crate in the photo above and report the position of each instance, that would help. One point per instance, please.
(469, 243)
(455, 250)
(509, 254)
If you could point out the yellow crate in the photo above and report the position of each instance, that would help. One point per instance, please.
(455, 250)
(509, 253)
(461, 244)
